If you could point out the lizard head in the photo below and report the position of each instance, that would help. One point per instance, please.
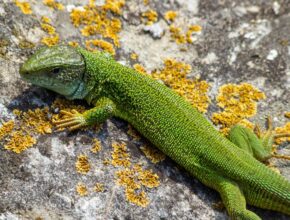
(59, 68)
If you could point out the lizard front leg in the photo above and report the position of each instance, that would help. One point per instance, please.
(103, 110)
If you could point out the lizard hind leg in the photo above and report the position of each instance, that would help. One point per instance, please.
(232, 196)
(258, 144)
(246, 139)
(235, 201)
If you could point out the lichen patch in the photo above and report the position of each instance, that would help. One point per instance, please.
(238, 102)
(282, 130)
(135, 181)
(120, 156)
(82, 189)
(97, 146)
(82, 164)
(24, 7)
(153, 154)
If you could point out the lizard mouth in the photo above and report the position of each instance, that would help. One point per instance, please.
(35, 77)
(24, 71)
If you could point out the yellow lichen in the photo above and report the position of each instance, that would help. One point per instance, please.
(192, 29)
(114, 6)
(139, 68)
(36, 120)
(50, 40)
(19, 133)
(128, 179)
(177, 35)
(106, 46)
(151, 16)
(48, 28)
(24, 7)
(19, 142)
(97, 146)
(106, 162)
(82, 189)
(73, 43)
(82, 165)
(193, 90)
(53, 4)
(99, 187)
(92, 3)
(148, 178)
(153, 154)
(6, 129)
(25, 44)
(135, 180)
(53, 37)
(246, 123)
(284, 42)
(120, 156)
(96, 21)
(195, 28)
(133, 133)
(170, 15)
(45, 19)
(146, 2)
(17, 112)
(39, 120)
(287, 114)
(238, 102)
(139, 199)
(89, 30)
(134, 56)
(282, 130)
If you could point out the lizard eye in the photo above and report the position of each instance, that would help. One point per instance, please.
(56, 70)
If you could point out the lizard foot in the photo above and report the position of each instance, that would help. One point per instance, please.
(74, 120)
(270, 131)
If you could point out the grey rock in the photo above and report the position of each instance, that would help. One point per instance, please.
(156, 30)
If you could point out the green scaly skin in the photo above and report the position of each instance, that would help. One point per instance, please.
(164, 118)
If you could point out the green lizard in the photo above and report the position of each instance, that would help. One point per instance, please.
(168, 121)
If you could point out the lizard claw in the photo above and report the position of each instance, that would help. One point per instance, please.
(269, 123)
(74, 120)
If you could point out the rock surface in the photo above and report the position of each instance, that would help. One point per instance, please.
(241, 41)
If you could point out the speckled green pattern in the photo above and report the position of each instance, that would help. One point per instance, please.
(183, 134)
